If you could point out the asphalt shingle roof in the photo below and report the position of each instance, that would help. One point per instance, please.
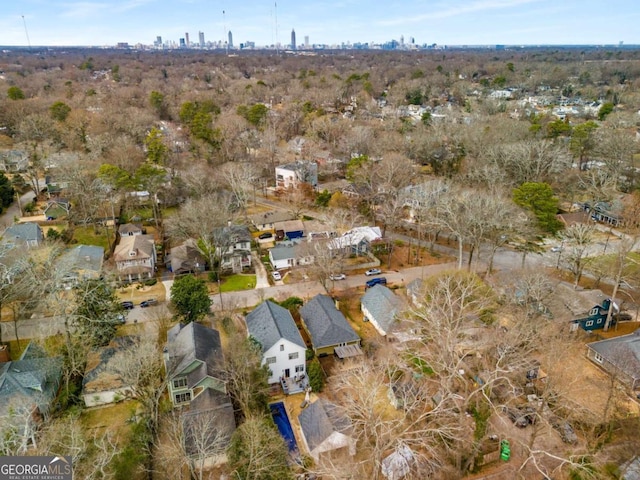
(327, 326)
(191, 342)
(269, 322)
(320, 419)
(623, 352)
(382, 304)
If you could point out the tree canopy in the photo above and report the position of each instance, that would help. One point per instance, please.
(539, 199)
(190, 298)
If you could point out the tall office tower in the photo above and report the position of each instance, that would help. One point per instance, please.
(402, 40)
(306, 41)
(201, 39)
(230, 39)
(159, 41)
(182, 43)
(186, 39)
(293, 39)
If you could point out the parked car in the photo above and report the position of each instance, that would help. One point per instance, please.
(373, 271)
(127, 305)
(376, 281)
(556, 249)
(148, 303)
(265, 235)
(337, 276)
(276, 275)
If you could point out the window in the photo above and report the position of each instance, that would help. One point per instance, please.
(183, 397)
(589, 323)
(271, 360)
(282, 347)
(598, 358)
(299, 368)
(293, 356)
(594, 311)
(180, 383)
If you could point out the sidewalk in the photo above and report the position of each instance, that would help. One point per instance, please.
(262, 279)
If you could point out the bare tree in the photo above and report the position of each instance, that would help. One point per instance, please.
(579, 237)
(240, 178)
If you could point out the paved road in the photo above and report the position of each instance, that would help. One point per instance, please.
(13, 210)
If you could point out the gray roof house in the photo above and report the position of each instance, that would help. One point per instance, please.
(267, 220)
(28, 387)
(380, 306)
(27, 234)
(193, 359)
(130, 229)
(328, 328)
(194, 362)
(326, 428)
(82, 262)
(619, 356)
(135, 257)
(234, 247)
(283, 349)
(13, 160)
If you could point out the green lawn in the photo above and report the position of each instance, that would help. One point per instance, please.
(87, 236)
(238, 282)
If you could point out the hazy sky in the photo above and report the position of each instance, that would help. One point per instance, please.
(445, 22)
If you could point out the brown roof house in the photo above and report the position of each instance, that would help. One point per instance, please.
(102, 383)
(135, 257)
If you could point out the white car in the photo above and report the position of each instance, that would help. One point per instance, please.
(556, 249)
(337, 276)
(373, 271)
(276, 275)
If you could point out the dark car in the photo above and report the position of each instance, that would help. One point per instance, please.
(127, 305)
(148, 303)
(264, 236)
(376, 281)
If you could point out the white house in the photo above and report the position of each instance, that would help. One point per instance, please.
(135, 257)
(283, 349)
(290, 254)
(293, 174)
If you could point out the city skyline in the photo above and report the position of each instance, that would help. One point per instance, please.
(444, 22)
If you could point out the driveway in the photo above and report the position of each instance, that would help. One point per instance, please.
(262, 278)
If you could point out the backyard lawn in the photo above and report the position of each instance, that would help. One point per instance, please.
(88, 236)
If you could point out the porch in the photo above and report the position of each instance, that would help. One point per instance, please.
(297, 384)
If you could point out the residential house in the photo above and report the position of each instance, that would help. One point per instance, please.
(57, 208)
(316, 230)
(283, 349)
(620, 356)
(266, 221)
(290, 229)
(290, 254)
(292, 175)
(135, 257)
(381, 307)
(23, 235)
(130, 230)
(234, 247)
(13, 161)
(102, 384)
(328, 329)
(356, 241)
(28, 387)
(418, 198)
(186, 258)
(597, 317)
(326, 428)
(82, 262)
(194, 362)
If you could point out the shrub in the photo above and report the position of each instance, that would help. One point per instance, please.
(316, 375)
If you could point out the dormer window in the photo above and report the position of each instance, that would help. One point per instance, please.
(132, 253)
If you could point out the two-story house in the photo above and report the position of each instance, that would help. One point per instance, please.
(292, 175)
(194, 365)
(233, 247)
(283, 349)
(13, 161)
(193, 361)
(135, 257)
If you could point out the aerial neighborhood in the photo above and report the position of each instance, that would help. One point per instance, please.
(378, 266)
